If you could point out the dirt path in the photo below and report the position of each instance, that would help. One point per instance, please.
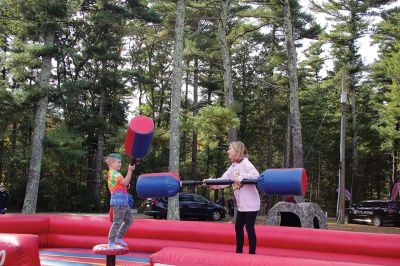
(387, 229)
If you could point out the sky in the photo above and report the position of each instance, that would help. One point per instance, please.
(368, 51)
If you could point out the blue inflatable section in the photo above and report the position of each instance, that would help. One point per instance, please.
(142, 143)
(281, 181)
(157, 185)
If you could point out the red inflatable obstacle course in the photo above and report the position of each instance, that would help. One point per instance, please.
(19, 249)
(188, 256)
(285, 245)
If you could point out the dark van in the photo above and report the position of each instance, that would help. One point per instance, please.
(375, 212)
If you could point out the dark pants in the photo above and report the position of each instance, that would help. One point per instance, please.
(248, 219)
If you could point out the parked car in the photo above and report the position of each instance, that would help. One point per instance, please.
(190, 206)
(375, 212)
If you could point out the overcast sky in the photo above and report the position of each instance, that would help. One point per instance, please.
(368, 52)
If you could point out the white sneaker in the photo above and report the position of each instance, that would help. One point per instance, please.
(114, 246)
(121, 242)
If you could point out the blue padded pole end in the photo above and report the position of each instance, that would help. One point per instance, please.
(290, 181)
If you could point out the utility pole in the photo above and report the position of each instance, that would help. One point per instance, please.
(340, 204)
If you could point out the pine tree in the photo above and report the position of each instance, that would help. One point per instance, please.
(173, 202)
(350, 24)
(386, 74)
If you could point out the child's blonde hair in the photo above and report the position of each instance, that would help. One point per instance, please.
(240, 149)
(112, 157)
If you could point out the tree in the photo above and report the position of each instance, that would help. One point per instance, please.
(351, 23)
(293, 86)
(226, 59)
(173, 202)
(32, 187)
(386, 74)
(48, 13)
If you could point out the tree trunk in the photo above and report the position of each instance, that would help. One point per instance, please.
(293, 96)
(270, 153)
(395, 159)
(293, 85)
(35, 164)
(354, 135)
(195, 103)
(173, 202)
(353, 97)
(185, 108)
(270, 93)
(1, 158)
(287, 142)
(244, 112)
(187, 82)
(152, 91)
(140, 89)
(162, 97)
(100, 152)
(341, 198)
(12, 172)
(396, 156)
(226, 60)
(3, 71)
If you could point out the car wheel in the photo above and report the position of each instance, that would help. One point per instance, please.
(377, 221)
(215, 216)
(346, 219)
(157, 217)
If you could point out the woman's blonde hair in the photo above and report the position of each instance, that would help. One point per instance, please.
(240, 149)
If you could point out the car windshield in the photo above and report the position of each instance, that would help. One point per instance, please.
(200, 199)
(186, 197)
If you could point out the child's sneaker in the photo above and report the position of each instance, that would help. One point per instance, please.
(121, 242)
(114, 246)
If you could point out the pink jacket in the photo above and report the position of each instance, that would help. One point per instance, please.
(247, 196)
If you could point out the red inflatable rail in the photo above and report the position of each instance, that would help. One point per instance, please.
(152, 236)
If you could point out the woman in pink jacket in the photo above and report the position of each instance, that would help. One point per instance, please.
(247, 197)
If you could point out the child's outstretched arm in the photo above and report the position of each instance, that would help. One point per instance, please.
(226, 176)
(125, 181)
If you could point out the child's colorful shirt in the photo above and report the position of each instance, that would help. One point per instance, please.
(119, 193)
